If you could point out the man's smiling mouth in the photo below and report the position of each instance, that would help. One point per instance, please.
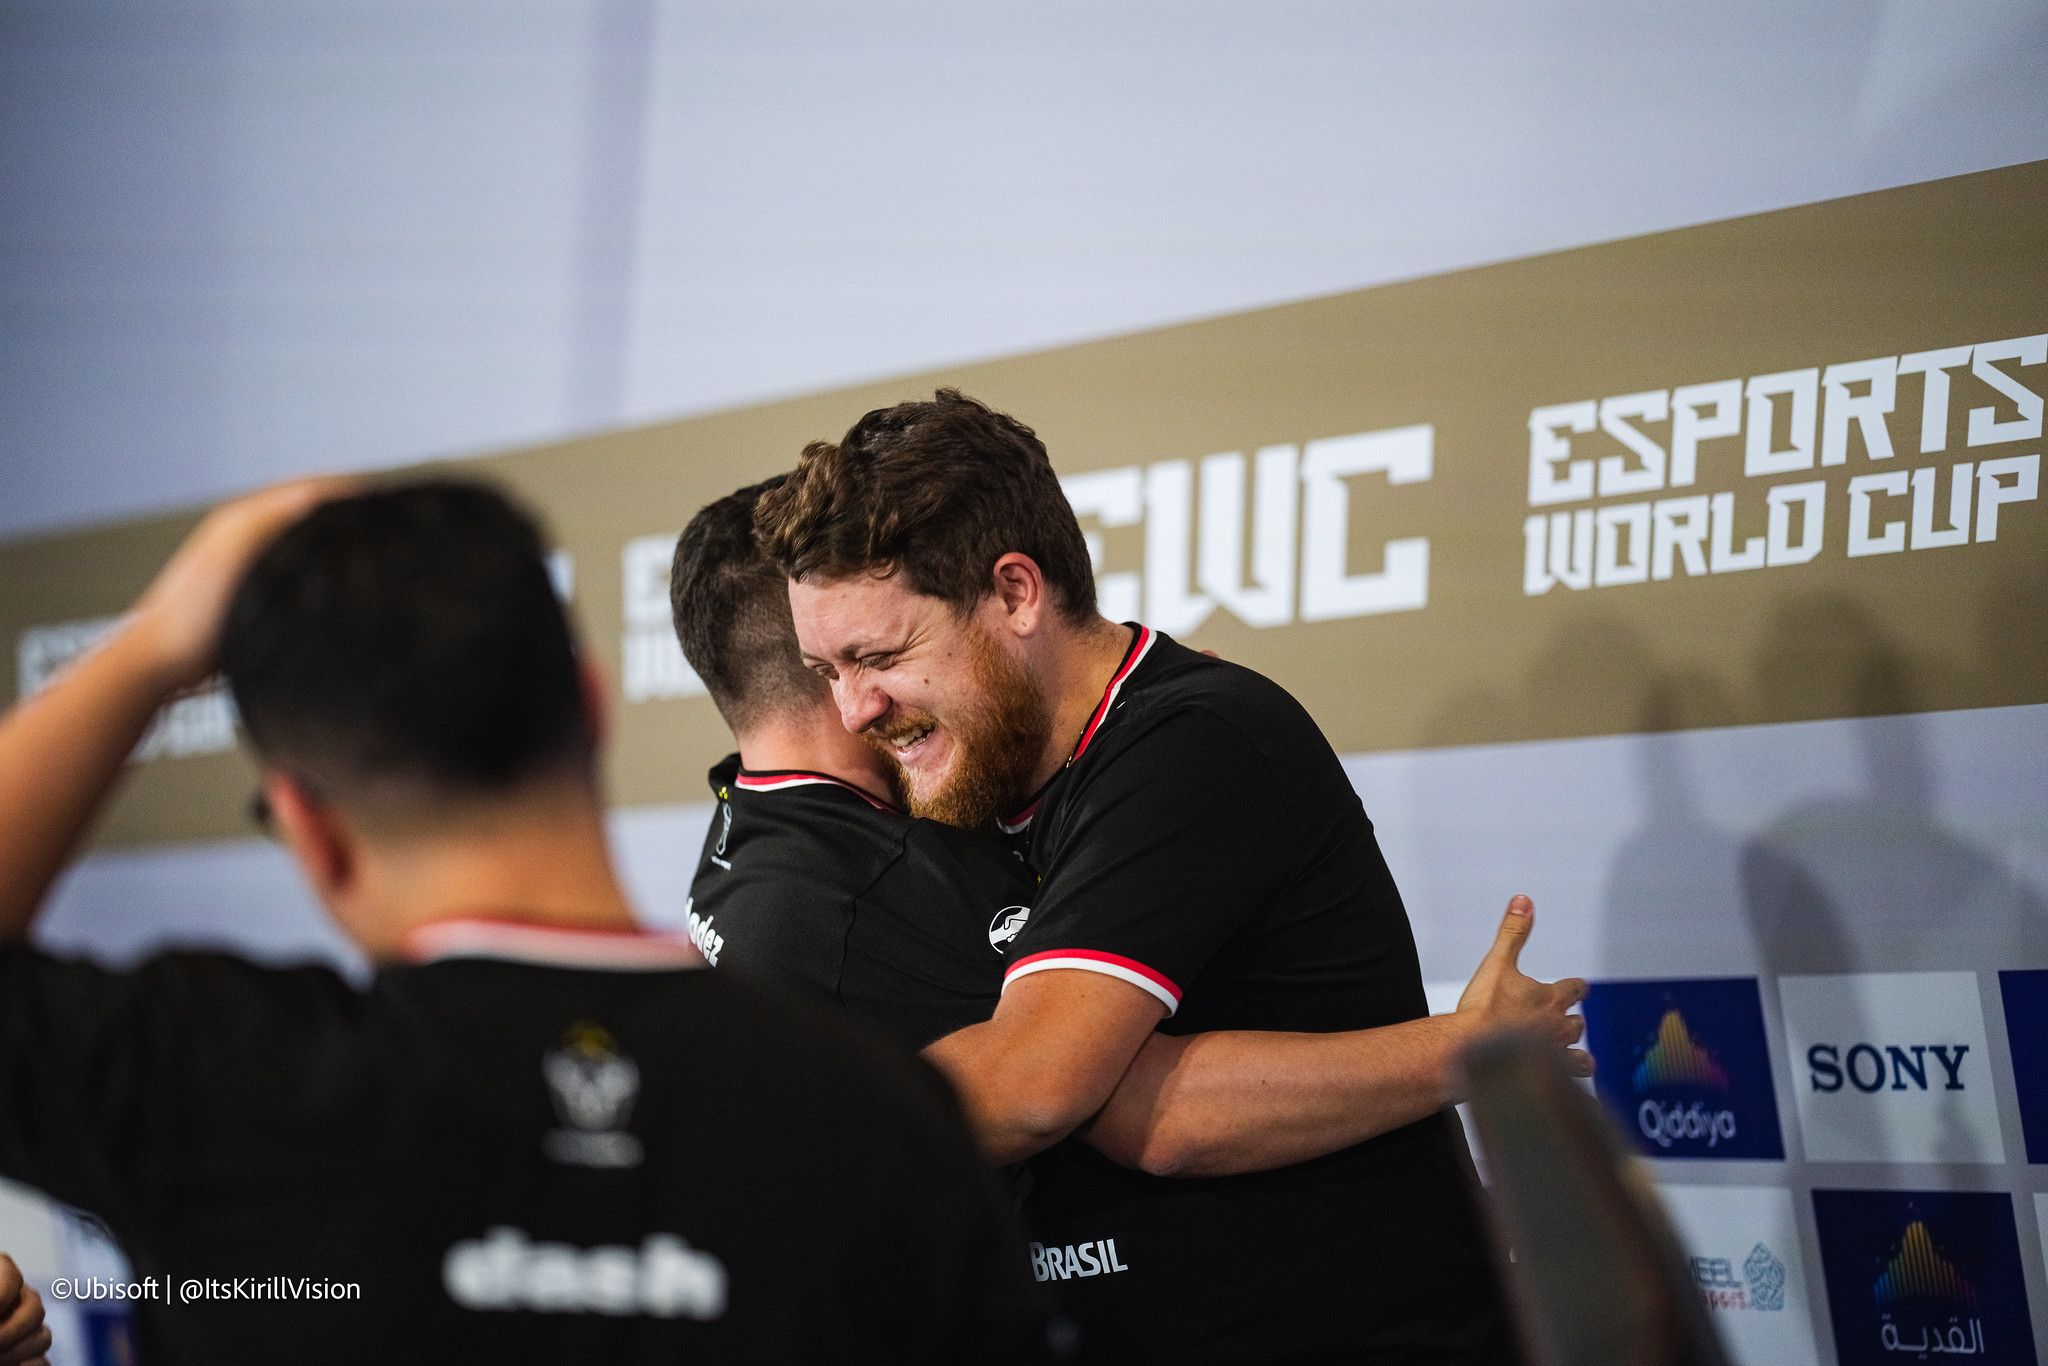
(907, 743)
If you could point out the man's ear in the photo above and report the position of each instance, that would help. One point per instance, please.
(597, 702)
(1020, 592)
(319, 838)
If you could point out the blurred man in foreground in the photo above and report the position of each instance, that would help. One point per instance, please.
(537, 1134)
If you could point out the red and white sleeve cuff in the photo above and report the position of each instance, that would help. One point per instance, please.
(1149, 980)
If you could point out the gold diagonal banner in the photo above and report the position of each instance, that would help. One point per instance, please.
(1779, 468)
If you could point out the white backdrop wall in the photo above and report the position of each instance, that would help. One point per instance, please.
(241, 241)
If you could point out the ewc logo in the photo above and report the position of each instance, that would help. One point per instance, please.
(1684, 1066)
(1922, 1274)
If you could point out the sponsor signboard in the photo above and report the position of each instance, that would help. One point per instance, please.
(1684, 1066)
(2026, 1029)
(1742, 1246)
(1922, 1275)
(1891, 1067)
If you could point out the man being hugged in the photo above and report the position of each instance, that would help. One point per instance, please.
(1204, 865)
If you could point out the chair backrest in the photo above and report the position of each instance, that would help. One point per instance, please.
(1600, 1276)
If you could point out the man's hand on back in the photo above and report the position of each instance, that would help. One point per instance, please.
(1501, 996)
(1236, 1101)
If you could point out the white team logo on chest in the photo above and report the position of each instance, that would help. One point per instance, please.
(594, 1088)
(1008, 924)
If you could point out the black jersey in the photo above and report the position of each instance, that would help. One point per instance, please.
(538, 1145)
(815, 885)
(1205, 845)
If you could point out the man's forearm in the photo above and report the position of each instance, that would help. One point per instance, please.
(1047, 1060)
(1011, 1116)
(1242, 1101)
(60, 753)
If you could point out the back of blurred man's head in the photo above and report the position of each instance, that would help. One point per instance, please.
(402, 653)
(731, 609)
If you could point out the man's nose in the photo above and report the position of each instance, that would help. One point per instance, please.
(861, 703)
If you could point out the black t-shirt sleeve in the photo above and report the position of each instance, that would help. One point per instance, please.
(1163, 852)
(107, 1077)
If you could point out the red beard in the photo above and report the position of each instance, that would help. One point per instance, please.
(997, 742)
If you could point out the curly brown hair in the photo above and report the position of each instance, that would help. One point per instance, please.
(937, 491)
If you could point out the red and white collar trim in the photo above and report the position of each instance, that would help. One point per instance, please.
(551, 945)
(788, 778)
(1020, 822)
(1141, 645)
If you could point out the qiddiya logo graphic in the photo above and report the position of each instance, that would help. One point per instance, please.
(1683, 1066)
(1917, 1289)
(1676, 1060)
(1917, 1270)
(1919, 1275)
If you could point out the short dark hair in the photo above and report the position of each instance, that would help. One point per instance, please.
(937, 491)
(730, 605)
(409, 637)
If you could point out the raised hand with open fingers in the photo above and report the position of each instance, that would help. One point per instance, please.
(1500, 996)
